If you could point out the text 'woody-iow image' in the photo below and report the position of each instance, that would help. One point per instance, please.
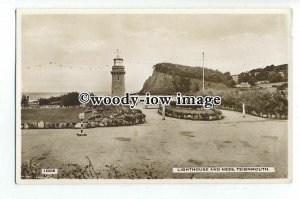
(153, 96)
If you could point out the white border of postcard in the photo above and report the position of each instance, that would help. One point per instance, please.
(20, 12)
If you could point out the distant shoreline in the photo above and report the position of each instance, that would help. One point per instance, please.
(38, 95)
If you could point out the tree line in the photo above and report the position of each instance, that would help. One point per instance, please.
(270, 73)
(69, 99)
(186, 72)
(257, 102)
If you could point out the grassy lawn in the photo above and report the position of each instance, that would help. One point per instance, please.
(53, 114)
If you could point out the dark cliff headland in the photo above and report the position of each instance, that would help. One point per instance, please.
(170, 78)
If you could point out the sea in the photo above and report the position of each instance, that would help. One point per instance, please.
(39, 95)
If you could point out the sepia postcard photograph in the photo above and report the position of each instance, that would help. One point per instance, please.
(153, 95)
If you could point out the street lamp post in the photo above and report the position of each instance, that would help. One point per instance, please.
(203, 72)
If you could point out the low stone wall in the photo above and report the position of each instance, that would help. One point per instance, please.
(261, 114)
(192, 116)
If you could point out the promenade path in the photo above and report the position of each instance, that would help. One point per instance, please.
(164, 144)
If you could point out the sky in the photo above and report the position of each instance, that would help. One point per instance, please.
(83, 46)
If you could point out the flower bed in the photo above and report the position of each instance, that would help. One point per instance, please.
(192, 114)
(105, 116)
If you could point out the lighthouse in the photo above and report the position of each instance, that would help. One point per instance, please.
(118, 77)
